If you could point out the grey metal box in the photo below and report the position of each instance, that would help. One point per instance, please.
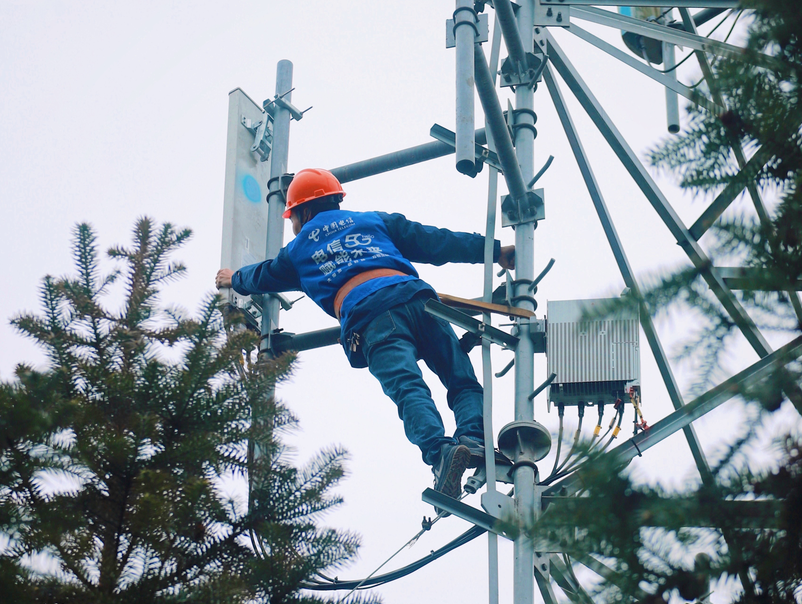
(595, 360)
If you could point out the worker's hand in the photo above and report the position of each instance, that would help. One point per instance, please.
(506, 258)
(223, 278)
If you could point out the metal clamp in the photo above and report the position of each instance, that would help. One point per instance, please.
(480, 25)
(457, 22)
(537, 333)
(510, 285)
(525, 126)
(262, 135)
(283, 183)
(279, 101)
(529, 208)
(515, 74)
(296, 113)
(517, 125)
(515, 299)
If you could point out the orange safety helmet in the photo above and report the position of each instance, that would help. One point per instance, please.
(310, 184)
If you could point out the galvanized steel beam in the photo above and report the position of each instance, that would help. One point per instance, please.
(509, 27)
(663, 33)
(607, 573)
(665, 79)
(398, 159)
(275, 200)
(707, 72)
(730, 192)
(658, 201)
(284, 342)
(527, 501)
(672, 100)
(750, 278)
(487, 364)
(497, 126)
(465, 34)
(663, 512)
(624, 267)
(565, 579)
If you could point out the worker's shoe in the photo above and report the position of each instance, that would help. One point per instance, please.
(448, 471)
(477, 450)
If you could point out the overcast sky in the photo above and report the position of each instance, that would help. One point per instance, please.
(112, 111)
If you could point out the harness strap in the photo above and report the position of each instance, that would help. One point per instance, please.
(359, 280)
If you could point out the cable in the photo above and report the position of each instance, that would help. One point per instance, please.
(620, 415)
(634, 397)
(734, 23)
(580, 458)
(464, 538)
(371, 581)
(616, 409)
(727, 37)
(581, 410)
(427, 525)
(565, 471)
(597, 429)
(727, 16)
(561, 414)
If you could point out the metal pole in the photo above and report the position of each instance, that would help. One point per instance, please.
(275, 202)
(512, 39)
(465, 34)
(525, 475)
(487, 384)
(497, 126)
(487, 366)
(275, 236)
(398, 159)
(672, 100)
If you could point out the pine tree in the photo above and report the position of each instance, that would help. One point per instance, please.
(115, 459)
(659, 543)
(762, 114)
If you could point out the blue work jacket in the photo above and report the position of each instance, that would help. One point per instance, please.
(336, 245)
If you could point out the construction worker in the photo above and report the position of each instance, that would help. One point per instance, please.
(357, 266)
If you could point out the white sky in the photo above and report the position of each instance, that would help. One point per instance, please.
(112, 111)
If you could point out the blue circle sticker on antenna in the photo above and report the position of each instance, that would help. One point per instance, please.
(251, 188)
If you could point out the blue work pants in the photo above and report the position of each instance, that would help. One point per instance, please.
(393, 343)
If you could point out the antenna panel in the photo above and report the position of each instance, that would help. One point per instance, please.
(244, 205)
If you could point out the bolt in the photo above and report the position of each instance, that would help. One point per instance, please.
(548, 12)
(559, 17)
